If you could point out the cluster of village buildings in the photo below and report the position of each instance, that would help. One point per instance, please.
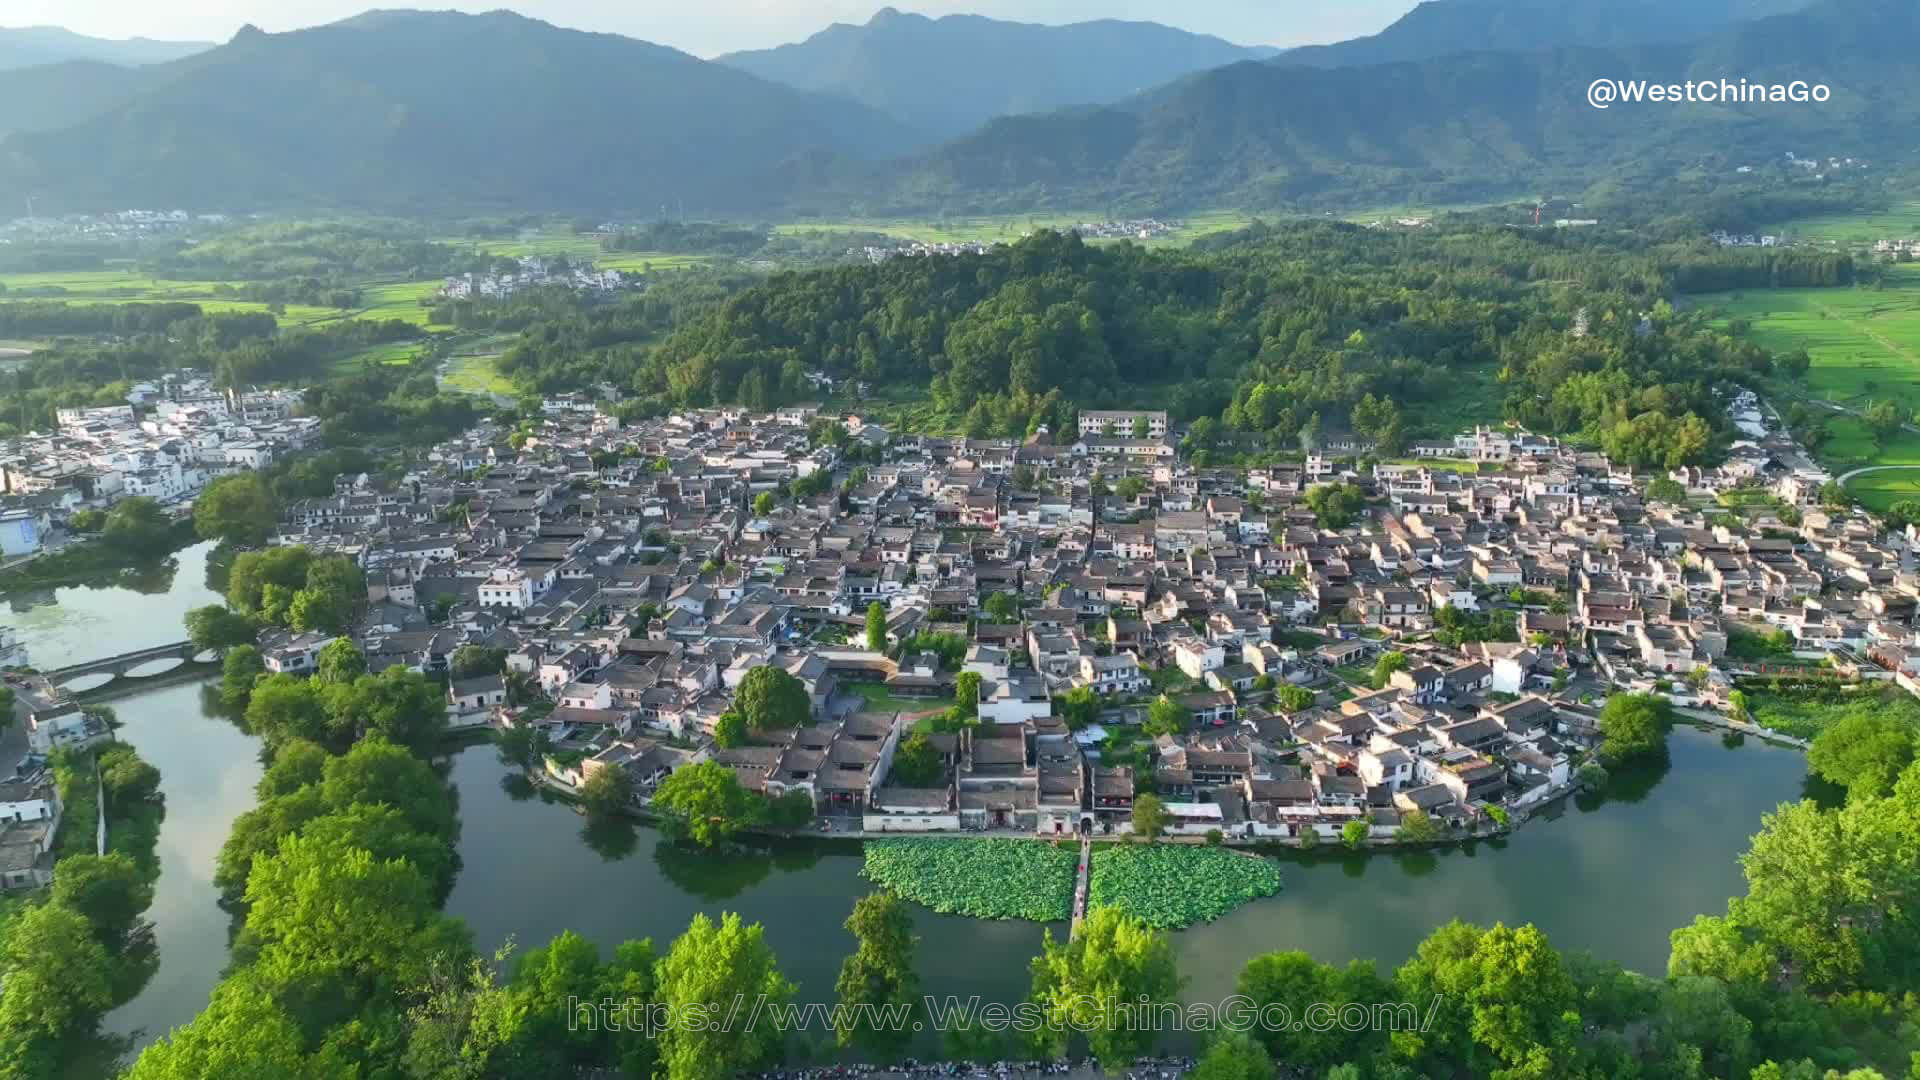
(169, 439)
(1142, 229)
(537, 272)
(632, 584)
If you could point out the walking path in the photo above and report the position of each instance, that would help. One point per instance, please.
(1080, 881)
(1845, 477)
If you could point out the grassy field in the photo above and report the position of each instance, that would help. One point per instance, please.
(473, 373)
(380, 300)
(1864, 342)
(396, 300)
(1899, 223)
(1878, 491)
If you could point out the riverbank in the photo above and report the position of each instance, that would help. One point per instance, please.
(95, 562)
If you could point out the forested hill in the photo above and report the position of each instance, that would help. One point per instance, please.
(1265, 335)
(53, 96)
(1451, 129)
(1443, 27)
(944, 77)
(426, 111)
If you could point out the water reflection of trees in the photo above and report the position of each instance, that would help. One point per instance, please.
(1627, 783)
(612, 839)
(711, 876)
(722, 875)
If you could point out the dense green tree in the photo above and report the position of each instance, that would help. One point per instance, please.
(126, 779)
(877, 626)
(138, 527)
(1355, 833)
(730, 730)
(707, 801)
(916, 764)
(108, 890)
(1292, 698)
(772, 700)
(1384, 667)
(706, 971)
(1003, 607)
(243, 1031)
(1150, 816)
(1501, 998)
(215, 627)
(1113, 959)
(236, 509)
(340, 661)
(398, 705)
(1335, 506)
(1233, 1055)
(609, 791)
(1634, 727)
(54, 975)
(1293, 980)
(1079, 707)
(1166, 716)
(966, 694)
(1865, 750)
(287, 707)
(1416, 827)
(476, 661)
(331, 918)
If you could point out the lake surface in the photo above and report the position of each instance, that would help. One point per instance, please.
(1614, 876)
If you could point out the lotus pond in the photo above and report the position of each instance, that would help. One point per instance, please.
(987, 878)
(1176, 885)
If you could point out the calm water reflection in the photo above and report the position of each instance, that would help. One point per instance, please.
(1614, 877)
(75, 624)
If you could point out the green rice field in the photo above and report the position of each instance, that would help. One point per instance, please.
(575, 246)
(1902, 221)
(380, 300)
(1878, 491)
(1864, 342)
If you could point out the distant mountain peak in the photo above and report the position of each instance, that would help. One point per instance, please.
(949, 75)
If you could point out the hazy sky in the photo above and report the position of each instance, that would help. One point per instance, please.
(708, 27)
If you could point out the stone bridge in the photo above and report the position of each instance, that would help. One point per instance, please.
(185, 656)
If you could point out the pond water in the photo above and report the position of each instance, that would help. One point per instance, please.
(1613, 876)
(75, 624)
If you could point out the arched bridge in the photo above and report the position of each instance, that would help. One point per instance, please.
(129, 665)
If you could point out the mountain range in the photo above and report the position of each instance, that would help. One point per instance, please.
(405, 111)
(1447, 128)
(29, 46)
(408, 111)
(945, 77)
(1443, 27)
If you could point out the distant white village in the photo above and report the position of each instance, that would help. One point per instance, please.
(170, 438)
(1142, 229)
(536, 272)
